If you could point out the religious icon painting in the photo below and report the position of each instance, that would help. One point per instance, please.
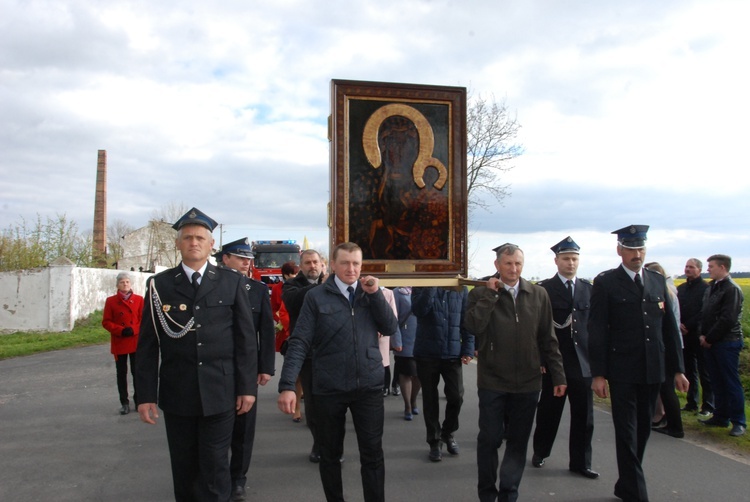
(398, 176)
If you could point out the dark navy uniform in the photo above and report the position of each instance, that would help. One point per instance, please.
(202, 371)
(571, 318)
(634, 344)
(243, 435)
(202, 329)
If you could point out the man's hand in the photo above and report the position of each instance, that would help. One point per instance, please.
(683, 329)
(703, 342)
(559, 390)
(287, 401)
(599, 386)
(148, 412)
(369, 284)
(244, 403)
(397, 349)
(466, 359)
(681, 383)
(493, 283)
(263, 378)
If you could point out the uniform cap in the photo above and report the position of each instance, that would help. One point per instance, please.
(240, 247)
(567, 245)
(195, 217)
(502, 247)
(632, 236)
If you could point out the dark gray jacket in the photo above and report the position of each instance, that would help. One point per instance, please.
(342, 340)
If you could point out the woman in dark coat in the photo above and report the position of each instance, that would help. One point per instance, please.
(122, 318)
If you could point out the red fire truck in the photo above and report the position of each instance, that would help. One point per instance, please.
(269, 256)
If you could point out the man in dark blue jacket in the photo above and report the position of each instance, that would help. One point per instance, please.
(439, 349)
(339, 325)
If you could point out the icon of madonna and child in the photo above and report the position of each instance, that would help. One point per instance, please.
(399, 201)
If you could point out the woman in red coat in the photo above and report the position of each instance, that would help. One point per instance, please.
(122, 318)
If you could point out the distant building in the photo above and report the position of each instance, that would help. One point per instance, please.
(150, 248)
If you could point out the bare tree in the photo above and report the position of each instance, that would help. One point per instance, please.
(115, 233)
(169, 213)
(490, 132)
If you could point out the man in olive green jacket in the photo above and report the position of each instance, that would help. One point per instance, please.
(511, 320)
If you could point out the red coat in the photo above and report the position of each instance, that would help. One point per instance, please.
(119, 314)
(280, 315)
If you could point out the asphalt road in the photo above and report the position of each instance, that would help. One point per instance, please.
(62, 439)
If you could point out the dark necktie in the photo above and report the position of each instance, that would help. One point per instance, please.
(638, 282)
(570, 289)
(350, 289)
(196, 276)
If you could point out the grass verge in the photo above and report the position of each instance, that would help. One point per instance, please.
(87, 331)
(694, 430)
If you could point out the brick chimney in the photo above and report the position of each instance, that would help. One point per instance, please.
(100, 211)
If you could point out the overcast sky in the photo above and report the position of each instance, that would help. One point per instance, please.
(631, 112)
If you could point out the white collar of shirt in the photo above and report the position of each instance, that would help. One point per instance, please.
(189, 271)
(342, 286)
(631, 274)
(513, 287)
(565, 279)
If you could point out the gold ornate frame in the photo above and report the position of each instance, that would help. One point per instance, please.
(406, 209)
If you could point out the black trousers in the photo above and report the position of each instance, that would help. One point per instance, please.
(632, 410)
(243, 437)
(199, 454)
(367, 411)
(697, 371)
(550, 410)
(429, 372)
(305, 376)
(121, 365)
(494, 409)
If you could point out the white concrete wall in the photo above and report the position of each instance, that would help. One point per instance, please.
(53, 298)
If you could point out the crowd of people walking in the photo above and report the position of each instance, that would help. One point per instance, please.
(206, 336)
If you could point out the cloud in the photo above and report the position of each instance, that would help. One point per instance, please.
(631, 112)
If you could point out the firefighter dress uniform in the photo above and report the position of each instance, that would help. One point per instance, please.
(206, 342)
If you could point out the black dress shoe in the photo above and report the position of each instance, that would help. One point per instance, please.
(536, 460)
(670, 432)
(451, 445)
(435, 454)
(314, 457)
(125, 409)
(586, 473)
(238, 492)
